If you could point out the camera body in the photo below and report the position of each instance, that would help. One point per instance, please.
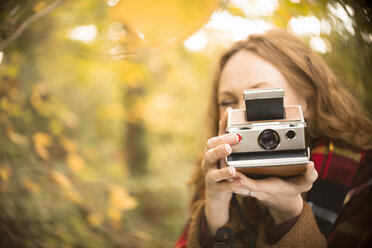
(272, 136)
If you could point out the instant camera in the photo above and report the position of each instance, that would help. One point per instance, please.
(272, 137)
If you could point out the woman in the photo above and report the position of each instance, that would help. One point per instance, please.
(275, 212)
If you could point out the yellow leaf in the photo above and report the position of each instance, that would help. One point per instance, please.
(69, 192)
(95, 219)
(12, 70)
(74, 196)
(114, 214)
(5, 104)
(75, 162)
(67, 144)
(39, 6)
(42, 152)
(120, 198)
(5, 172)
(11, 108)
(347, 199)
(164, 20)
(55, 126)
(41, 142)
(18, 138)
(236, 11)
(38, 94)
(31, 186)
(61, 179)
(42, 139)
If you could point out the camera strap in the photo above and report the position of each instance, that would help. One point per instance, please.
(249, 229)
(221, 242)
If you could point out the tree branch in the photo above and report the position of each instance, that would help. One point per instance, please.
(28, 22)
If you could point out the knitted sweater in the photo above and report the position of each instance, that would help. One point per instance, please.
(337, 211)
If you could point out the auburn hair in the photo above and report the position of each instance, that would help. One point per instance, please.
(332, 111)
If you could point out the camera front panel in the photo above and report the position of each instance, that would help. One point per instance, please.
(270, 137)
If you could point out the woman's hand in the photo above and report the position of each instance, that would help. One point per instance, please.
(282, 197)
(220, 180)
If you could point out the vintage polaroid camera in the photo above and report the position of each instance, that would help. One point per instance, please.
(272, 136)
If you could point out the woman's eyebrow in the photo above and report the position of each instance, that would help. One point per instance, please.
(225, 93)
(257, 85)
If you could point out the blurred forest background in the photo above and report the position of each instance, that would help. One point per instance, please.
(102, 106)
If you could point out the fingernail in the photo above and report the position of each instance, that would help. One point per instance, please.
(227, 148)
(242, 182)
(231, 170)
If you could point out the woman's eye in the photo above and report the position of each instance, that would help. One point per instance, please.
(228, 103)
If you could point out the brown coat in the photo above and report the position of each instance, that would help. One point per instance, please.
(305, 233)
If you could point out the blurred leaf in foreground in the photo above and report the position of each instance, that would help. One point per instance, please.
(163, 20)
(75, 162)
(5, 172)
(41, 142)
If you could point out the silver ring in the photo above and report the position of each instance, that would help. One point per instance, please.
(250, 193)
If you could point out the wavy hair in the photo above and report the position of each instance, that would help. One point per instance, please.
(333, 112)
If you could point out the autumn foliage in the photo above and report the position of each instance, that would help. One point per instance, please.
(102, 111)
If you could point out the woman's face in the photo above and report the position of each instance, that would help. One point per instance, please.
(246, 70)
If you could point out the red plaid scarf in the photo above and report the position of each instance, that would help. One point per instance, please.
(341, 198)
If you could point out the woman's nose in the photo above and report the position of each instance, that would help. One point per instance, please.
(241, 104)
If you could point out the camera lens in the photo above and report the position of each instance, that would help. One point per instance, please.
(268, 139)
(290, 135)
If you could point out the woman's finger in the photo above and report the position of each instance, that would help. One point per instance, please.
(231, 139)
(274, 185)
(217, 175)
(269, 185)
(250, 184)
(305, 181)
(225, 186)
(311, 174)
(215, 154)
